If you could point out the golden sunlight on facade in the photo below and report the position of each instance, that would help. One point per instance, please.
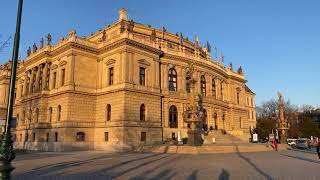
(120, 88)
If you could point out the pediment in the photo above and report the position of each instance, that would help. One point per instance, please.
(144, 62)
(110, 61)
(62, 63)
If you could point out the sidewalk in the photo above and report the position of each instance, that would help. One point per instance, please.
(211, 149)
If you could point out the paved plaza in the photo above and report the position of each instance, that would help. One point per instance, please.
(285, 164)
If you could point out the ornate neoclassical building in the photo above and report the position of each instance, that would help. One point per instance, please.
(119, 88)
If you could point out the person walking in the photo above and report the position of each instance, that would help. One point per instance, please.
(318, 149)
(275, 145)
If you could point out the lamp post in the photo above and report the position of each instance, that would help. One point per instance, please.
(6, 149)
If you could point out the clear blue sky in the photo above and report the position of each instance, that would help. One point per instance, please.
(276, 41)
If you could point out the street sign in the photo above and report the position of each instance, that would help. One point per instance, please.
(255, 137)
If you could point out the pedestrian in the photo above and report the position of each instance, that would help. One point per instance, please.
(275, 145)
(318, 149)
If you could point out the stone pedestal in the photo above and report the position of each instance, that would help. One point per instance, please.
(194, 138)
(283, 139)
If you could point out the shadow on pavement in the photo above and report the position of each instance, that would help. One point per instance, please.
(224, 175)
(55, 169)
(193, 175)
(253, 165)
(301, 158)
(144, 174)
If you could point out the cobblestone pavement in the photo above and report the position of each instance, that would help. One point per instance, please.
(285, 164)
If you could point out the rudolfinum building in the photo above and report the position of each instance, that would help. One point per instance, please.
(119, 88)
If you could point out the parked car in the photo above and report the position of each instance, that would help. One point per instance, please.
(303, 143)
(292, 142)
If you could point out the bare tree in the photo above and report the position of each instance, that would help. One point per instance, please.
(4, 44)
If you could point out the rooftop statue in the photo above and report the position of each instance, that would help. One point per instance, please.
(48, 39)
(29, 51)
(41, 43)
(34, 48)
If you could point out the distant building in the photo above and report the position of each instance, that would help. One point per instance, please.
(119, 88)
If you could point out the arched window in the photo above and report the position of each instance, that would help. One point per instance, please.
(37, 115)
(238, 98)
(214, 88)
(187, 85)
(108, 112)
(172, 79)
(24, 116)
(59, 113)
(173, 117)
(30, 115)
(203, 85)
(215, 118)
(80, 136)
(50, 114)
(142, 112)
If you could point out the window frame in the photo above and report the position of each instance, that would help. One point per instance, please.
(173, 117)
(203, 85)
(142, 76)
(172, 80)
(111, 76)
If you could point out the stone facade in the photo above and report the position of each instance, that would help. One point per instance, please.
(120, 88)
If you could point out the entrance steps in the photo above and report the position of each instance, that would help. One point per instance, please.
(221, 138)
(209, 149)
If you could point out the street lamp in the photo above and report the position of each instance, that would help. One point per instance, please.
(6, 149)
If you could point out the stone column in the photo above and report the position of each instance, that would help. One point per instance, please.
(71, 71)
(208, 85)
(38, 78)
(44, 76)
(165, 76)
(156, 63)
(31, 80)
(24, 91)
(180, 79)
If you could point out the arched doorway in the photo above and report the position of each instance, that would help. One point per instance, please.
(215, 121)
(173, 117)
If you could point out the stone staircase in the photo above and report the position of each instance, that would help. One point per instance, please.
(221, 139)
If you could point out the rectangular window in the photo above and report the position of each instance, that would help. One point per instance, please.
(48, 135)
(111, 76)
(27, 137)
(56, 137)
(63, 71)
(214, 88)
(21, 137)
(238, 98)
(54, 80)
(34, 137)
(106, 136)
(187, 86)
(143, 136)
(142, 76)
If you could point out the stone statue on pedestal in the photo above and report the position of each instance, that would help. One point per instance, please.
(194, 112)
(283, 125)
(29, 51)
(49, 39)
(34, 48)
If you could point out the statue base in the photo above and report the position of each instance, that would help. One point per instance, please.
(283, 139)
(194, 137)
